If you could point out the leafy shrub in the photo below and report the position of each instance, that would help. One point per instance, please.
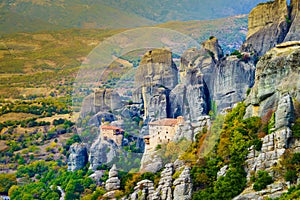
(263, 179)
(236, 53)
(291, 175)
(257, 144)
(296, 128)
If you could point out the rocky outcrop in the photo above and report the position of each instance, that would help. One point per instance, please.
(155, 77)
(112, 185)
(272, 23)
(294, 21)
(165, 183)
(277, 84)
(267, 26)
(208, 81)
(277, 74)
(78, 157)
(272, 191)
(102, 152)
(168, 188)
(284, 115)
(213, 46)
(113, 182)
(191, 98)
(101, 101)
(273, 147)
(144, 190)
(151, 162)
(183, 186)
(233, 77)
(157, 68)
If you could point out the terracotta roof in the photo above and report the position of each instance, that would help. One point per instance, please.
(165, 122)
(107, 127)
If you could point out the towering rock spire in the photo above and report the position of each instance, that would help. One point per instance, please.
(267, 26)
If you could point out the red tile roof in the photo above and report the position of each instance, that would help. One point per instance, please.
(165, 122)
(107, 127)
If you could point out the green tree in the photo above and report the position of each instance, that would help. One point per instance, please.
(6, 181)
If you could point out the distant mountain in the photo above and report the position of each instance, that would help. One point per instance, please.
(34, 15)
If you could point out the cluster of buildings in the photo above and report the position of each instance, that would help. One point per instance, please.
(160, 132)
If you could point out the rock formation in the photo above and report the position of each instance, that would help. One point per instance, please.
(157, 68)
(165, 183)
(208, 80)
(151, 162)
(294, 21)
(102, 152)
(155, 77)
(277, 73)
(183, 186)
(233, 77)
(144, 190)
(101, 101)
(78, 157)
(277, 84)
(270, 24)
(213, 46)
(113, 182)
(273, 148)
(267, 26)
(167, 189)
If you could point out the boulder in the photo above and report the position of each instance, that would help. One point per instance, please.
(213, 46)
(183, 186)
(113, 182)
(78, 157)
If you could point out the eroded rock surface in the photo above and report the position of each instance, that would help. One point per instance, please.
(183, 186)
(272, 23)
(113, 182)
(277, 75)
(267, 26)
(78, 157)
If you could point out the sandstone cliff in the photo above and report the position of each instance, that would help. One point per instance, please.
(277, 73)
(155, 77)
(272, 23)
(102, 100)
(78, 157)
(276, 89)
(294, 31)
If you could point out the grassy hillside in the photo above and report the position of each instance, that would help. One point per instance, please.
(33, 15)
